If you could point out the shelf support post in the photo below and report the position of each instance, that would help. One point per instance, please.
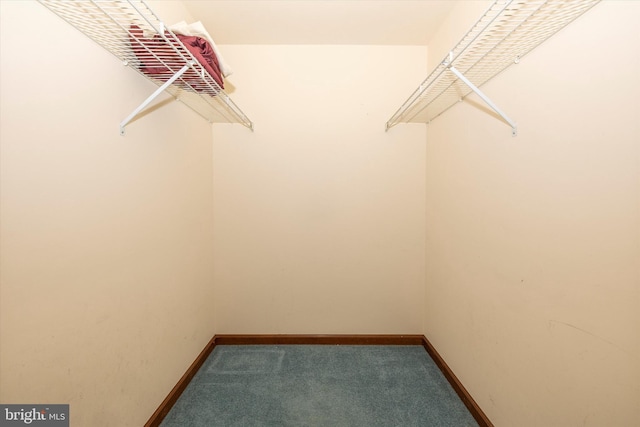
(153, 96)
(485, 98)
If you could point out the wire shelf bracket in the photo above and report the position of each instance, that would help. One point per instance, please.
(132, 32)
(506, 32)
(485, 98)
(153, 96)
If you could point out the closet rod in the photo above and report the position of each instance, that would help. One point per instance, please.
(131, 31)
(506, 32)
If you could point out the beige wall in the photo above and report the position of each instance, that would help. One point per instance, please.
(463, 15)
(533, 242)
(319, 214)
(105, 264)
(112, 248)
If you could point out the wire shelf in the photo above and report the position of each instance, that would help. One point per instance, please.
(131, 31)
(507, 31)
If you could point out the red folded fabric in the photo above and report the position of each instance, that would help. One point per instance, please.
(168, 62)
(203, 52)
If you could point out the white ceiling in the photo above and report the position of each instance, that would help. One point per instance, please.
(376, 22)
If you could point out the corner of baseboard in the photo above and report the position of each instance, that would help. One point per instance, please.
(464, 395)
(173, 396)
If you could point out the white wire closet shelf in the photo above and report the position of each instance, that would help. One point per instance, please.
(507, 31)
(131, 31)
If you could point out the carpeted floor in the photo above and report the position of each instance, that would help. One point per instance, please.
(319, 385)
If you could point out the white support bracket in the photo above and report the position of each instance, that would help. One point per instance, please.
(153, 96)
(485, 98)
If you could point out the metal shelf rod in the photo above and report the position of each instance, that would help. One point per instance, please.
(507, 31)
(132, 32)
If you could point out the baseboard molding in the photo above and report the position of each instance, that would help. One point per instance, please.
(318, 339)
(182, 384)
(229, 339)
(475, 410)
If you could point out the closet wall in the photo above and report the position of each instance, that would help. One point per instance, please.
(105, 258)
(533, 242)
(120, 257)
(319, 214)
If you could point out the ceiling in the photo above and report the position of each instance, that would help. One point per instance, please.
(373, 22)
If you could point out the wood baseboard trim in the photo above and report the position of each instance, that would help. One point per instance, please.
(475, 410)
(318, 339)
(182, 384)
(229, 339)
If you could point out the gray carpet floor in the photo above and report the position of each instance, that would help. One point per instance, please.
(319, 385)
